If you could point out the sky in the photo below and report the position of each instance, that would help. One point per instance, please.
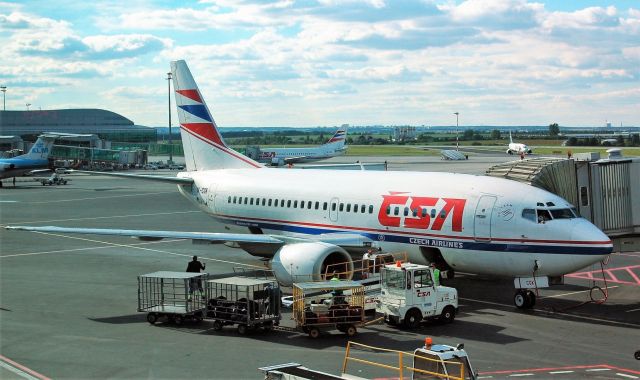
(329, 62)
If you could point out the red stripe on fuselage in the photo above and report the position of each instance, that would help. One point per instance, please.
(191, 94)
(223, 148)
(410, 233)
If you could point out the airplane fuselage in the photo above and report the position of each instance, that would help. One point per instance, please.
(325, 151)
(477, 224)
(16, 167)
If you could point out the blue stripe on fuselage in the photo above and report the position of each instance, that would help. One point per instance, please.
(431, 242)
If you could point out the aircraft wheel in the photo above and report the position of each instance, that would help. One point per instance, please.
(152, 318)
(178, 320)
(412, 319)
(521, 300)
(531, 299)
(448, 314)
(314, 332)
(637, 355)
(217, 325)
(242, 329)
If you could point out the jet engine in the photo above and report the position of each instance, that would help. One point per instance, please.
(302, 262)
(275, 161)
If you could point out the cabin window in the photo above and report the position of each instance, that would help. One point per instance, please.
(443, 214)
(363, 209)
(234, 200)
(371, 209)
(341, 207)
(333, 207)
(269, 203)
(324, 206)
(246, 200)
(309, 204)
(406, 211)
(415, 212)
(388, 210)
(295, 204)
(529, 214)
(301, 204)
(424, 212)
(229, 199)
(289, 203)
(348, 207)
(396, 210)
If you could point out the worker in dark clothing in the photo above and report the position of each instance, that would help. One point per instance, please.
(195, 266)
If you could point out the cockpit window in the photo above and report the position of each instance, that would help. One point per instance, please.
(543, 216)
(550, 204)
(529, 214)
(563, 213)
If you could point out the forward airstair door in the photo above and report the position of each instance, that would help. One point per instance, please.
(482, 219)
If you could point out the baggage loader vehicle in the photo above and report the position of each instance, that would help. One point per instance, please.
(166, 294)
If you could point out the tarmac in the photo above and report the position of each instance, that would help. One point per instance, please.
(68, 302)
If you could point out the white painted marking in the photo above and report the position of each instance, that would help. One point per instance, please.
(143, 249)
(597, 369)
(627, 376)
(110, 197)
(568, 294)
(8, 201)
(558, 372)
(17, 371)
(485, 377)
(83, 249)
(636, 325)
(632, 310)
(107, 217)
(521, 374)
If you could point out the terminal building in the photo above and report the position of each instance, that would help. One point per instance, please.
(108, 137)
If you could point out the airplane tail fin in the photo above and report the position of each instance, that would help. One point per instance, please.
(510, 138)
(340, 136)
(204, 148)
(40, 149)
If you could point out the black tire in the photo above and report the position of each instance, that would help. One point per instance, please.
(412, 319)
(314, 332)
(267, 326)
(217, 325)
(448, 314)
(351, 330)
(242, 329)
(178, 320)
(531, 299)
(520, 299)
(637, 355)
(152, 318)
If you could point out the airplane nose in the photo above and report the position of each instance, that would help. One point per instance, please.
(595, 241)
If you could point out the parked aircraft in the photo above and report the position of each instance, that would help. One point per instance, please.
(517, 148)
(36, 160)
(335, 146)
(303, 221)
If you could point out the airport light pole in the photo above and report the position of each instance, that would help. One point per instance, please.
(28, 104)
(4, 97)
(457, 113)
(169, 98)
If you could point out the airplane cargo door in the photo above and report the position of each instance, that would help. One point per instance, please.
(482, 220)
(333, 209)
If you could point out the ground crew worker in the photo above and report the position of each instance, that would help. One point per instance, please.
(195, 266)
(436, 274)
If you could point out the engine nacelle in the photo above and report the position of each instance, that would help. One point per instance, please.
(302, 262)
(275, 161)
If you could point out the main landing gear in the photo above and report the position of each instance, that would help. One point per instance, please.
(524, 299)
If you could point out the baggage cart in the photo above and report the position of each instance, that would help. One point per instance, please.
(169, 294)
(249, 303)
(327, 305)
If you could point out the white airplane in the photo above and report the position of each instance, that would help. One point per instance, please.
(335, 146)
(36, 160)
(305, 220)
(517, 148)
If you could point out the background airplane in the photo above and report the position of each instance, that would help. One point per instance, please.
(36, 160)
(517, 148)
(335, 146)
(304, 221)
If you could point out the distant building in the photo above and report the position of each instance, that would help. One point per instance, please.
(405, 133)
(106, 124)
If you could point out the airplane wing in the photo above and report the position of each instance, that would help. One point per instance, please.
(176, 180)
(255, 244)
(293, 160)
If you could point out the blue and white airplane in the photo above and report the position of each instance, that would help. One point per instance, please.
(302, 221)
(37, 159)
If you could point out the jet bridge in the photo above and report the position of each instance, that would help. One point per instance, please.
(602, 190)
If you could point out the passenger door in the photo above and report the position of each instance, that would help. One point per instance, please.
(482, 220)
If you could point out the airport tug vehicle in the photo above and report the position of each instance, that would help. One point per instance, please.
(410, 295)
(167, 295)
(248, 303)
(327, 305)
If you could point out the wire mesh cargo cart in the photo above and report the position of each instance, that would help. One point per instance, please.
(249, 303)
(169, 294)
(327, 305)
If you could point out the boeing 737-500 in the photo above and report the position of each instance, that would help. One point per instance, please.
(517, 148)
(304, 220)
(36, 159)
